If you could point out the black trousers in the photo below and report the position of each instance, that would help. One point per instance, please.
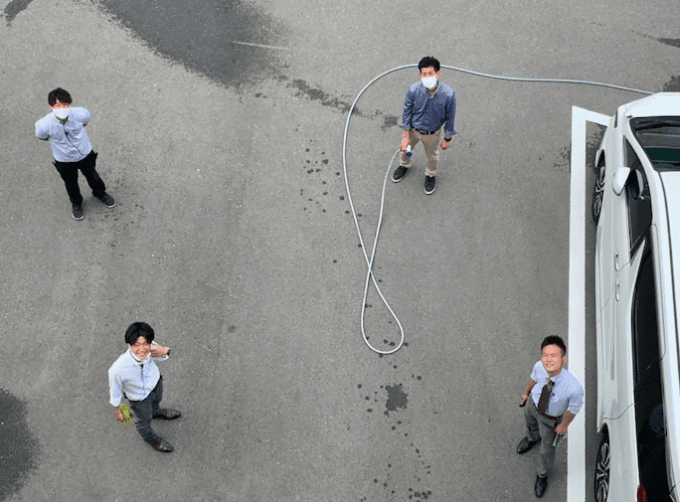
(69, 173)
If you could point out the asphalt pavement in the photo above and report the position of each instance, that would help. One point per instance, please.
(219, 130)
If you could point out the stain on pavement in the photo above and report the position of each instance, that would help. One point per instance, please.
(230, 42)
(18, 448)
(13, 8)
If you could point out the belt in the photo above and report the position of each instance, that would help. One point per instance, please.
(422, 131)
(550, 417)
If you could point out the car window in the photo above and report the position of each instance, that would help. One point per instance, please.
(660, 139)
(649, 408)
(644, 317)
(638, 199)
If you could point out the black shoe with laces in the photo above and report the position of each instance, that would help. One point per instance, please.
(77, 212)
(107, 200)
(399, 173)
(429, 185)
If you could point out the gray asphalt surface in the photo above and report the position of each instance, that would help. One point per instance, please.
(219, 132)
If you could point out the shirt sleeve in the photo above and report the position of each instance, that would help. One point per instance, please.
(449, 129)
(41, 131)
(407, 114)
(115, 389)
(575, 400)
(534, 374)
(81, 115)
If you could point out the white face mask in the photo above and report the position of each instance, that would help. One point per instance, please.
(429, 82)
(60, 113)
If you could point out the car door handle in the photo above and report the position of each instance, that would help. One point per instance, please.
(617, 290)
(616, 261)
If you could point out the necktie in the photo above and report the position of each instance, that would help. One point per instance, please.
(545, 395)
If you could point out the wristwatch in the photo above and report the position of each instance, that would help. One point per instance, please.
(447, 139)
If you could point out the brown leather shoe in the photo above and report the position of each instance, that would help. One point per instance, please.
(160, 444)
(167, 414)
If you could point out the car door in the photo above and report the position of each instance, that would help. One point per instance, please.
(637, 212)
(613, 259)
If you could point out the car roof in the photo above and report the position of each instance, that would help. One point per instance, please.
(662, 104)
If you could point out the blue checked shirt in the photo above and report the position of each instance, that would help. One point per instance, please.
(133, 377)
(426, 112)
(69, 141)
(566, 395)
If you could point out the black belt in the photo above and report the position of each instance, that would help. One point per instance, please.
(422, 131)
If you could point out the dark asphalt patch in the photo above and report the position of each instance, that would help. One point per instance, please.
(18, 448)
(673, 42)
(396, 398)
(223, 40)
(13, 8)
(673, 85)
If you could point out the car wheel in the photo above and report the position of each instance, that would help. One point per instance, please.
(602, 470)
(598, 193)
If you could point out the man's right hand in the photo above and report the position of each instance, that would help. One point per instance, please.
(523, 400)
(403, 144)
(118, 414)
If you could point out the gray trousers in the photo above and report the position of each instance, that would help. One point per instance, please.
(543, 428)
(145, 410)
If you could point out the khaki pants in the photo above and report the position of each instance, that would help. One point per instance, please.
(431, 145)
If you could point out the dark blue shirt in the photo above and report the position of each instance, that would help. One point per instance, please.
(429, 112)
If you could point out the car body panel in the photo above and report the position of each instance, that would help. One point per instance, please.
(616, 275)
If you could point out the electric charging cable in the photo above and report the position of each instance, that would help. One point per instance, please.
(369, 261)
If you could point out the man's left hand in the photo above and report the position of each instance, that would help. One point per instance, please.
(561, 429)
(158, 350)
(443, 144)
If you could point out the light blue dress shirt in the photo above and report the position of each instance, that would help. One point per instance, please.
(429, 112)
(69, 141)
(566, 395)
(133, 377)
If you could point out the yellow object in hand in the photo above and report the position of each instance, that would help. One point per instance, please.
(126, 414)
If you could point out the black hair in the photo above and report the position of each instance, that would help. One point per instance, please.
(59, 94)
(554, 340)
(428, 61)
(137, 329)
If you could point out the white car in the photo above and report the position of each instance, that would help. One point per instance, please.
(636, 205)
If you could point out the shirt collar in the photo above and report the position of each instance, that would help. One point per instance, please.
(136, 360)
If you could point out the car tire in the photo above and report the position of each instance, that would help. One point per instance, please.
(598, 193)
(602, 466)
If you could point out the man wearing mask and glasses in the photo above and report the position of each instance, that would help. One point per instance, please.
(429, 104)
(64, 127)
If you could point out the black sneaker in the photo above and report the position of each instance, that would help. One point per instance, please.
(77, 212)
(429, 184)
(107, 200)
(399, 174)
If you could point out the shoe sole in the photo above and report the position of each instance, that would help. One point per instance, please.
(429, 193)
(397, 181)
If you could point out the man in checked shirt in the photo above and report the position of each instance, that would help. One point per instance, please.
(429, 104)
(555, 397)
(136, 376)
